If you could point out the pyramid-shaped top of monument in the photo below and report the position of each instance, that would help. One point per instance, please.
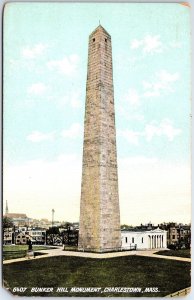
(98, 29)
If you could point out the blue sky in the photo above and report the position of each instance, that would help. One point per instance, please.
(45, 67)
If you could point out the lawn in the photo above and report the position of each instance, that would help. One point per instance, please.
(127, 271)
(25, 247)
(18, 251)
(179, 253)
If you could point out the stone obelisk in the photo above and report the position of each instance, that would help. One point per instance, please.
(99, 228)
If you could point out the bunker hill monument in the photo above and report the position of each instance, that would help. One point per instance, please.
(99, 228)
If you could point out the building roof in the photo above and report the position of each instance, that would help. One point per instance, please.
(136, 229)
(15, 216)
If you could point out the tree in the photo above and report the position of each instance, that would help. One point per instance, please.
(66, 225)
(125, 226)
(52, 234)
(7, 223)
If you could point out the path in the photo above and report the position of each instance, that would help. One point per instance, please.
(60, 252)
(180, 293)
(152, 254)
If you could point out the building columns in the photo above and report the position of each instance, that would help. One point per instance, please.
(155, 241)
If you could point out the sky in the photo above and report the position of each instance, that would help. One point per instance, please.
(45, 69)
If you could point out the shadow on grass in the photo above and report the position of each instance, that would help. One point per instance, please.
(179, 253)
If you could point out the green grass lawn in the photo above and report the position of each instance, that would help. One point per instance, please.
(180, 253)
(66, 271)
(14, 247)
(19, 251)
(70, 248)
(25, 247)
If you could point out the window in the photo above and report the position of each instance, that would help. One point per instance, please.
(173, 236)
(126, 240)
(93, 40)
(133, 239)
(142, 240)
(105, 40)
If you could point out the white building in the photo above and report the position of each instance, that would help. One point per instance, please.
(141, 239)
(37, 236)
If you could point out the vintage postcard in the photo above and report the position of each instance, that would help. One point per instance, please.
(96, 160)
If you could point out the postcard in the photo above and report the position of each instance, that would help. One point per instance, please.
(96, 149)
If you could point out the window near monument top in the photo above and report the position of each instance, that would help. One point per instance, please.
(142, 240)
(126, 240)
(132, 239)
(93, 39)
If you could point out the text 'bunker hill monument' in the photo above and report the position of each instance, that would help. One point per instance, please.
(99, 228)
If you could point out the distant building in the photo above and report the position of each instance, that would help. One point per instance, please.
(16, 216)
(21, 238)
(75, 225)
(44, 223)
(7, 236)
(143, 239)
(185, 234)
(178, 235)
(37, 236)
(19, 219)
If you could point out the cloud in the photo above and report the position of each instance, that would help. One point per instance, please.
(75, 100)
(73, 132)
(175, 44)
(130, 104)
(128, 114)
(33, 52)
(37, 89)
(151, 130)
(66, 66)
(132, 97)
(165, 128)
(163, 83)
(71, 98)
(149, 44)
(37, 136)
(130, 135)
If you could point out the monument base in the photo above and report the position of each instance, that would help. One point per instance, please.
(99, 250)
